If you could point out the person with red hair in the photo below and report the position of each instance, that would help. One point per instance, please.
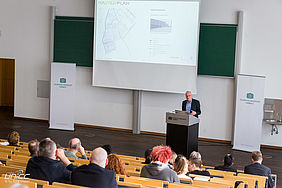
(158, 168)
(116, 164)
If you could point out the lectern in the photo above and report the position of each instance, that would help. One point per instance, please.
(182, 132)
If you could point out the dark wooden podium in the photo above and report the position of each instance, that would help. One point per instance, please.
(182, 132)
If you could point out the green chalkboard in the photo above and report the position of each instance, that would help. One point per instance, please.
(73, 40)
(217, 45)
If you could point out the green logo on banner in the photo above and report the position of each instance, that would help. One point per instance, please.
(250, 95)
(63, 80)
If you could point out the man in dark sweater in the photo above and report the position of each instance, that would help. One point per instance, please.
(257, 168)
(95, 175)
(46, 165)
(194, 167)
(227, 164)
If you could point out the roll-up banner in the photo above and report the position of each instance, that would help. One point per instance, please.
(62, 96)
(249, 112)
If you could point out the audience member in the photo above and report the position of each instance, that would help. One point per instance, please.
(195, 155)
(257, 168)
(74, 147)
(14, 139)
(116, 164)
(95, 174)
(181, 166)
(148, 156)
(172, 159)
(45, 166)
(33, 147)
(194, 167)
(108, 148)
(227, 164)
(158, 168)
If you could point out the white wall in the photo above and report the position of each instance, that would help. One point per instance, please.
(261, 53)
(216, 97)
(24, 35)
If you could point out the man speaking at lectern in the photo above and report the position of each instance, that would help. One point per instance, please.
(192, 106)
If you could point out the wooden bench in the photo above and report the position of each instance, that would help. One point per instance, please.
(65, 185)
(220, 173)
(5, 183)
(8, 170)
(242, 184)
(262, 180)
(143, 181)
(212, 184)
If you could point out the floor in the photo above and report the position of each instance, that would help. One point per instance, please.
(128, 143)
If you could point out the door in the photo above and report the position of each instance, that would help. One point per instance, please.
(7, 80)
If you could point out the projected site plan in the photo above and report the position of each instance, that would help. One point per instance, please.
(147, 31)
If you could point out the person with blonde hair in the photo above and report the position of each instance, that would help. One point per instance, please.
(181, 166)
(172, 159)
(14, 138)
(116, 164)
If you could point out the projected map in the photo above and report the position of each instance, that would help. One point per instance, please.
(118, 23)
(147, 31)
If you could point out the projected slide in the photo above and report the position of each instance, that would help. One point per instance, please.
(147, 31)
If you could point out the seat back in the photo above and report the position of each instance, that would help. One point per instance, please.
(261, 179)
(212, 184)
(66, 185)
(241, 184)
(220, 173)
(5, 183)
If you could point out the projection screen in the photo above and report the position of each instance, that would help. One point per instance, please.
(146, 45)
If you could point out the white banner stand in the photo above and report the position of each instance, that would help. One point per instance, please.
(248, 113)
(62, 96)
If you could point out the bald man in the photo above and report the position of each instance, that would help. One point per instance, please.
(74, 147)
(95, 174)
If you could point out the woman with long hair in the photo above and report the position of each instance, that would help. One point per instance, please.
(181, 166)
(116, 164)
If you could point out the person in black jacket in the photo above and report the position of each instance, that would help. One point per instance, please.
(257, 168)
(95, 175)
(45, 166)
(33, 147)
(190, 105)
(227, 164)
(194, 167)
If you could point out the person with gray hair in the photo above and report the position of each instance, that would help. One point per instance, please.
(51, 164)
(95, 174)
(190, 105)
(74, 147)
(195, 155)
